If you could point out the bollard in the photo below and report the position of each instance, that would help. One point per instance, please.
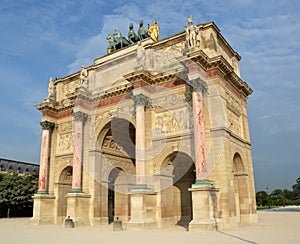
(68, 222)
(117, 225)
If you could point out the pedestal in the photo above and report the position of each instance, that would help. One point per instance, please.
(43, 209)
(143, 202)
(78, 205)
(204, 205)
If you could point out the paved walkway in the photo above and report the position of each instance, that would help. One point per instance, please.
(273, 227)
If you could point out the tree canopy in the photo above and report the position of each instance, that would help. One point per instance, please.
(296, 189)
(16, 193)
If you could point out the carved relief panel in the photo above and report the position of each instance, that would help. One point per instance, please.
(233, 104)
(234, 123)
(233, 114)
(174, 121)
(65, 138)
(100, 117)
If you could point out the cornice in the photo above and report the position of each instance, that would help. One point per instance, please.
(113, 92)
(147, 78)
(54, 108)
(224, 67)
(139, 76)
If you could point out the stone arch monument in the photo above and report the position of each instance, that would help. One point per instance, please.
(156, 134)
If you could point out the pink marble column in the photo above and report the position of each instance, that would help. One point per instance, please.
(198, 87)
(199, 136)
(44, 156)
(79, 119)
(140, 101)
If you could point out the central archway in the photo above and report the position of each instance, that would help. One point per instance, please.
(117, 143)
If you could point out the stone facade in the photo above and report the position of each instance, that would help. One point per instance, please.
(157, 136)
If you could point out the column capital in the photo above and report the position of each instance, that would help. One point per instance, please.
(80, 116)
(46, 125)
(198, 85)
(140, 99)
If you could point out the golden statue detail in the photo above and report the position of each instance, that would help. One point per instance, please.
(154, 30)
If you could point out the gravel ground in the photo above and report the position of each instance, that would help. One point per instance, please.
(273, 227)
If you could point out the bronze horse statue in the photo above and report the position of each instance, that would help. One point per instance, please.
(116, 41)
(142, 33)
(132, 36)
(120, 40)
(111, 43)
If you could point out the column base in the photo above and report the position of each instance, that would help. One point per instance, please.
(140, 189)
(76, 190)
(203, 225)
(142, 224)
(43, 209)
(78, 206)
(202, 183)
(204, 206)
(143, 208)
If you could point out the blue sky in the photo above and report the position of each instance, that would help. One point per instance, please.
(40, 39)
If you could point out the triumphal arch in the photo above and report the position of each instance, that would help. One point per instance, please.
(155, 133)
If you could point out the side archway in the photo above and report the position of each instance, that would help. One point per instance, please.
(118, 198)
(64, 187)
(241, 190)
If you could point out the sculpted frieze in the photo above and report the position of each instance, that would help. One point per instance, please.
(65, 143)
(100, 117)
(167, 100)
(172, 121)
(234, 123)
(70, 87)
(111, 146)
(65, 127)
(233, 104)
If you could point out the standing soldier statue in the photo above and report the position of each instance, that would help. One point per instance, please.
(83, 76)
(192, 34)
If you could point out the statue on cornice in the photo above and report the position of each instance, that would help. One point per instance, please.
(120, 40)
(192, 34)
(154, 30)
(83, 76)
(116, 41)
(131, 34)
(51, 89)
(142, 33)
(111, 43)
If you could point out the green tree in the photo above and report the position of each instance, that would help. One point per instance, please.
(16, 192)
(296, 189)
(288, 194)
(277, 198)
(262, 198)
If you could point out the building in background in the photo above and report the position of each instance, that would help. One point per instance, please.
(8, 165)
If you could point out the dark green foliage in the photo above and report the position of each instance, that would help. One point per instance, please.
(262, 198)
(277, 198)
(16, 194)
(296, 189)
(289, 195)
